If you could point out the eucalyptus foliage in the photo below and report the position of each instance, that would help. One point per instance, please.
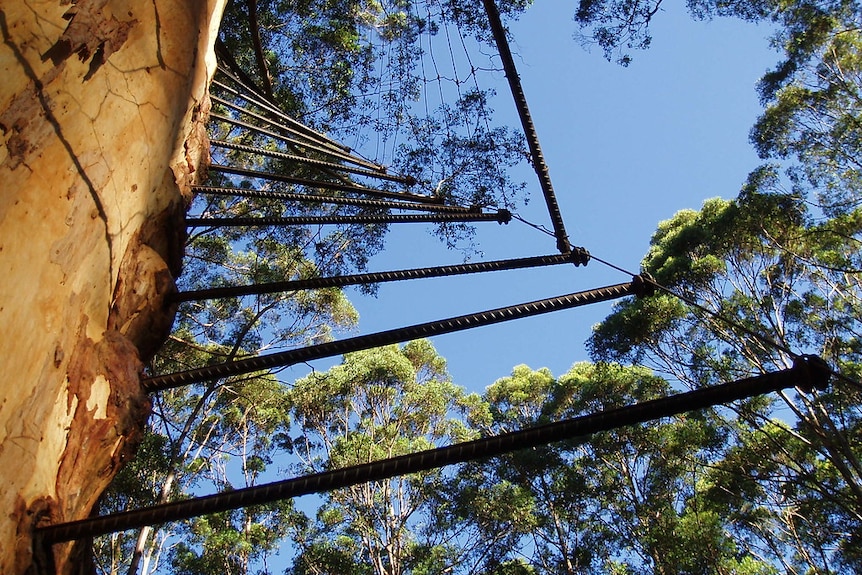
(626, 501)
(768, 485)
(768, 281)
(770, 274)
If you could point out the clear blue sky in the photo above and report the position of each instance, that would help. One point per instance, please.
(626, 147)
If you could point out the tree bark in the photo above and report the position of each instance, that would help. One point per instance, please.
(102, 104)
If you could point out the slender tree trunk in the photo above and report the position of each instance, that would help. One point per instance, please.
(145, 532)
(101, 111)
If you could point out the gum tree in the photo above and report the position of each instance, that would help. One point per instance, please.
(100, 111)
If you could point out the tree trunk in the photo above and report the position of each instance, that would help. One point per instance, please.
(102, 104)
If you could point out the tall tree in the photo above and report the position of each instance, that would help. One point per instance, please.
(813, 102)
(378, 404)
(99, 106)
(812, 96)
(758, 265)
(781, 260)
(208, 431)
(627, 501)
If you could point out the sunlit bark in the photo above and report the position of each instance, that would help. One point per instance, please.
(101, 108)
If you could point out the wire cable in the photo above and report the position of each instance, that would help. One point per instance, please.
(541, 228)
(768, 341)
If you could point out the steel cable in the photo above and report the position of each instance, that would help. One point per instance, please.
(762, 338)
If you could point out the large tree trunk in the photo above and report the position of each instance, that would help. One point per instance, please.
(101, 108)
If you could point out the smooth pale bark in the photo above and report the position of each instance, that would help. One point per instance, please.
(101, 110)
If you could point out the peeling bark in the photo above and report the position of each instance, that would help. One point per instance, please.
(102, 106)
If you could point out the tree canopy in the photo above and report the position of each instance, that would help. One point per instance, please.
(767, 485)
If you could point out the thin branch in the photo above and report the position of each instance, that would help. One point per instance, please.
(254, 30)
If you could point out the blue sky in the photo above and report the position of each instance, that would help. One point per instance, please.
(626, 147)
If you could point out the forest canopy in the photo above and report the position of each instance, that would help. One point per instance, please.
(763, 486)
